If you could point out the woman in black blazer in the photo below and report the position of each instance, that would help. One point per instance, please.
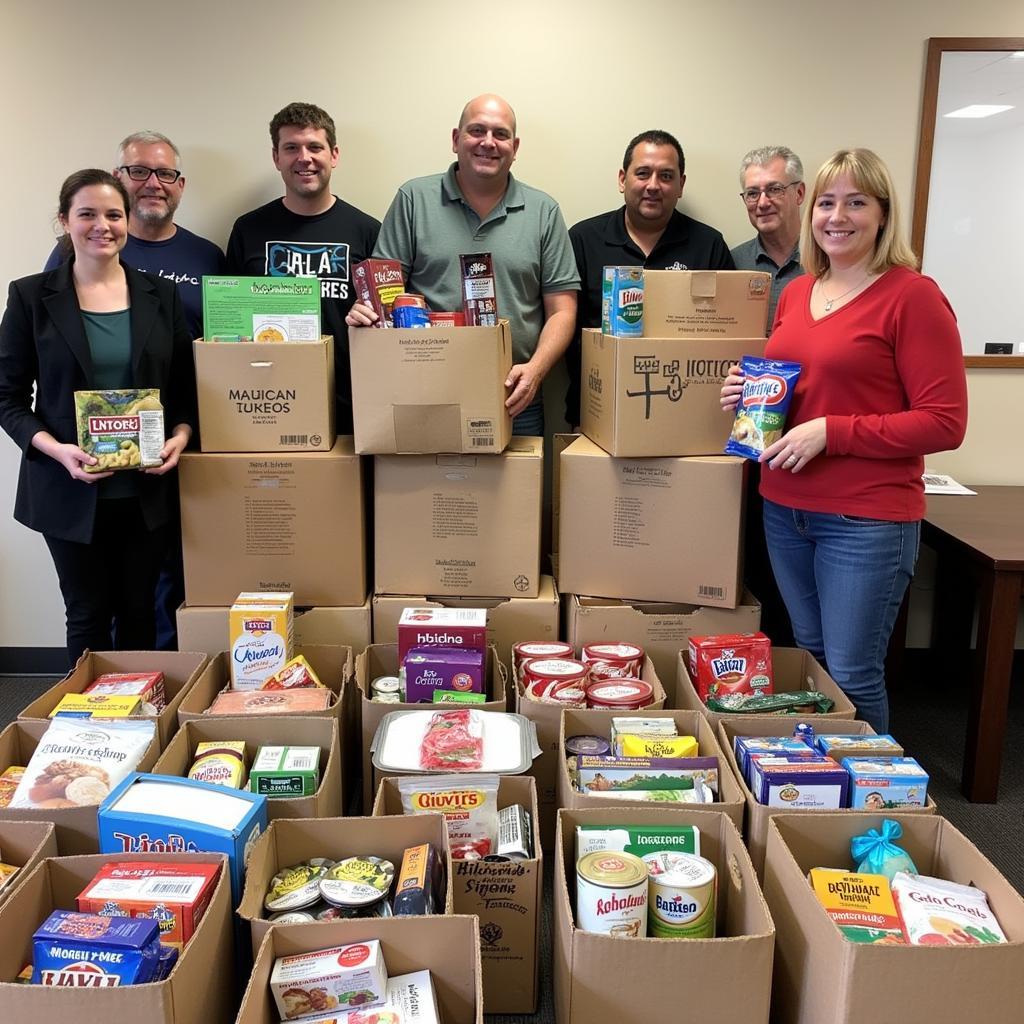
(94, 323)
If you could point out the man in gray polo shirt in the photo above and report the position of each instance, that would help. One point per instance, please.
(478, 206)
(772, 181)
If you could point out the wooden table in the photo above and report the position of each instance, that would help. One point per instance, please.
(979, 539)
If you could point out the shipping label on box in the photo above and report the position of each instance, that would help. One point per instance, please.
(265, 309)
(705, 303)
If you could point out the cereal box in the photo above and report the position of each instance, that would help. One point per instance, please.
(861, 905)
(261, 639)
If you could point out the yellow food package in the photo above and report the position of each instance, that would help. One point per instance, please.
(9, 783)
(220, 762)
(7, 873)
(96, 705)
(662, 746)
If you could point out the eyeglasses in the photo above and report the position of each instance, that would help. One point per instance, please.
(139, 172)
(751, 196)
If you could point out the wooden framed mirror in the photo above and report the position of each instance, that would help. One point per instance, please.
(969, 158)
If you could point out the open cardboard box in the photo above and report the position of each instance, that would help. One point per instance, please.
(706, 303)
(448, 947)
(77, 828)
(292, 841)
(507, 899)
(758, 815)
(23, 844)
(266, 730)
(822, 978)
(636, 981)
(181, 669)
(199, 988)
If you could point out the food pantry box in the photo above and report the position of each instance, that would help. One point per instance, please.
(758, 815)
(658, 396)
(382, 660)
(23, 844)
(290, 842)
(719, 304)
(448, 947)
(650, 529)
(507, 899)
(267, 730)
(459, 524)
(509, 620)
(822, 978)
(77, 831)
(181, 670)
(274, 522)
(198, 989)
(601, 978)
(662, 630)
(430, 389)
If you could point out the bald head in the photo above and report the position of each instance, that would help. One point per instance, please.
(490, 103)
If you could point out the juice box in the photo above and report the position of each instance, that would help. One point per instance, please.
(861, 905)
(261, 638)
(622, 302)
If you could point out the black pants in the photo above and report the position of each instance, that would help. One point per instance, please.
(108, 585)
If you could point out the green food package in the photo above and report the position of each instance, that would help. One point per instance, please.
(793, 702)
(123, 429)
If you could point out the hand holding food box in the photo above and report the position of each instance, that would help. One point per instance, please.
(121, 428)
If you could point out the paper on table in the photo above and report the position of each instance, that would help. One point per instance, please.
(938, 483)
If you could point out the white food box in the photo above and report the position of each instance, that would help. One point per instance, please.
(410, 1000)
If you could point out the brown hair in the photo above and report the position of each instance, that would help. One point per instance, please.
(303, 115)
(74, 183)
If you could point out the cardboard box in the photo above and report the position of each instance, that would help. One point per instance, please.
(430, 389)
(274, 522)
(758, 815)
(77, 831)
(382, 660)
(792, 669)
(459, 524)
(448, 947)
(23, 844)
(601, 978)
(181, 670)
(662, 630)
(559, 442)
(822, 978)
(651, 529)
(206, 629)
(266, 730)
(288, 842)
(265, 397)
(509, 620)
(706, 303)
(507, 899)
(689, 723)
(658, 396)
(187, 995)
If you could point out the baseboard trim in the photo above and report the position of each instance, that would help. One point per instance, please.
(31, 661)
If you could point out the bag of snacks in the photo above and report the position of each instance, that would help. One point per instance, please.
(469, 804)
(875, 853)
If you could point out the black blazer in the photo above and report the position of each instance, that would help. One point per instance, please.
(43, 344)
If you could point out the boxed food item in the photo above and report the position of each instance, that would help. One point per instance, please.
(221, 763)
(261, 639)
(840, 745)
(731, 663)
(122, 429)
(861, 905)
(464, 628)
(377, 283)
(285, 771)
(9, 780)
(937, 912)
(881, 783)
(261, 309)
(96, 705)
(148, 686)
(695, 779)
(272, 702)
(429, 670)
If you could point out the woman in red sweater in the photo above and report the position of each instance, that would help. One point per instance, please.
(882, 385)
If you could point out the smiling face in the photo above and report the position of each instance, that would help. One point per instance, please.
(651, 185)
(152, 202)
(774, 216)
(846, 223)
(305, 160)
(485, 141)
(96, 222)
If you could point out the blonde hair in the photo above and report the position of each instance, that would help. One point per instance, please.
(870, 175)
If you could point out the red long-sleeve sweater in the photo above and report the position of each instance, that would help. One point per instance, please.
(887, 372)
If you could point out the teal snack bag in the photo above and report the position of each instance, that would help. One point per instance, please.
(875, 853)
(761, 413)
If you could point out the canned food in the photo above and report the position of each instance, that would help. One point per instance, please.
(541, 675)
(357, 881)
(292, 917)
(620, 694)
(456, 319)
(386, 684)
(386, 698)
(613, 661)
(528, 649)
(682, 891)
(596, 746)
(298, 886)
(611, 894)
(409, 316)
(409, 300)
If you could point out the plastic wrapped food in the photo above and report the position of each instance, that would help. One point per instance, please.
(792, 702)
(454, 739)
(469, 806)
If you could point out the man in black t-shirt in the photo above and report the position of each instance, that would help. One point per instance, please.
(309, 232)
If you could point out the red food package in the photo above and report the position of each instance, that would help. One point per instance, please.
(296, 674)
(454, 739)
(731, 663)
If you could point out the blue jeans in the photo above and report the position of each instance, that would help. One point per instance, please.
(530, 422)
(843, 579)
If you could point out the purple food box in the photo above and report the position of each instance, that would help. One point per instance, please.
(441, 668)
(799, 784)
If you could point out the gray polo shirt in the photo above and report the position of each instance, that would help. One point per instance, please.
(751, 256)
(429, 225)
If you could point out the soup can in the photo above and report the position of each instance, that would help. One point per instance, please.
(682, 890)
(613, 661)
(620, 694)
(611, 894)
(526, 650)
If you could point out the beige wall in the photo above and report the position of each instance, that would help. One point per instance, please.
(724, 77)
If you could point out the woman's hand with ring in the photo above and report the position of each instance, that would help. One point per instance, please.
(796, 447)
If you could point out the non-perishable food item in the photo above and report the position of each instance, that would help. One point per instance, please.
(297, 886)
(613, 661)
(221, 762)
(731, 663)
(296, 675)
(878, 784)
(791, 702)
(427, 669)
(442, 627)
(389, 686)
(875, 852)
(638, 840)
(9, 780)
(267, 309)
(622, 302)
(148, 686)
(681, 895)
(357, 881)
(77, 763)
(618, 774)
(527, 650)
(340, 978)
(596, 746)
(409, 310)
(698, 793)
(410, 1000)
(838, 746)
(515, 833)
(611, 894)
(479, 296)
(469, 804)
(377, 283)
(745, 747)
(625, 694)
(260, 638)
(799, 783)
(96, 705)
(285, 771)
(271, 702)
(123, 429)
(631, 745)
(935, 912)
(456, 697)
(761, 411)
(861, 905)
(418, 890)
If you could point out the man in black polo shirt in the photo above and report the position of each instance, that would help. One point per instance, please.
(648, 231)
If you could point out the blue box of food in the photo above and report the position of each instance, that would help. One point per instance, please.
(167, 814)
(838, 746)
(799, 783)
(744, 746)
(880, 783)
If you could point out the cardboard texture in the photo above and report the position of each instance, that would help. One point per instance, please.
(507, 899)
(292, 841)
(636, 981)
(382, 660)
(448, 947)
(758, 815)
(328, 801)
(206, 629)
(651, 529)
(459, 524)
(509, 620)
(658, 396)
(274, 522)
(662, 630)
(265, 397)
(705, 303)
(822, 978)
(181, 670)
(689, 723)
(792, 669)
(430, 389)
(199, 988)
(23, 844)
(559, 442)
(77, 829)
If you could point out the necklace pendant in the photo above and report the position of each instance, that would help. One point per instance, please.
(829, 303)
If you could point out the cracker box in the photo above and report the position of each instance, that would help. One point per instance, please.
(881, 783)
(261, 641)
